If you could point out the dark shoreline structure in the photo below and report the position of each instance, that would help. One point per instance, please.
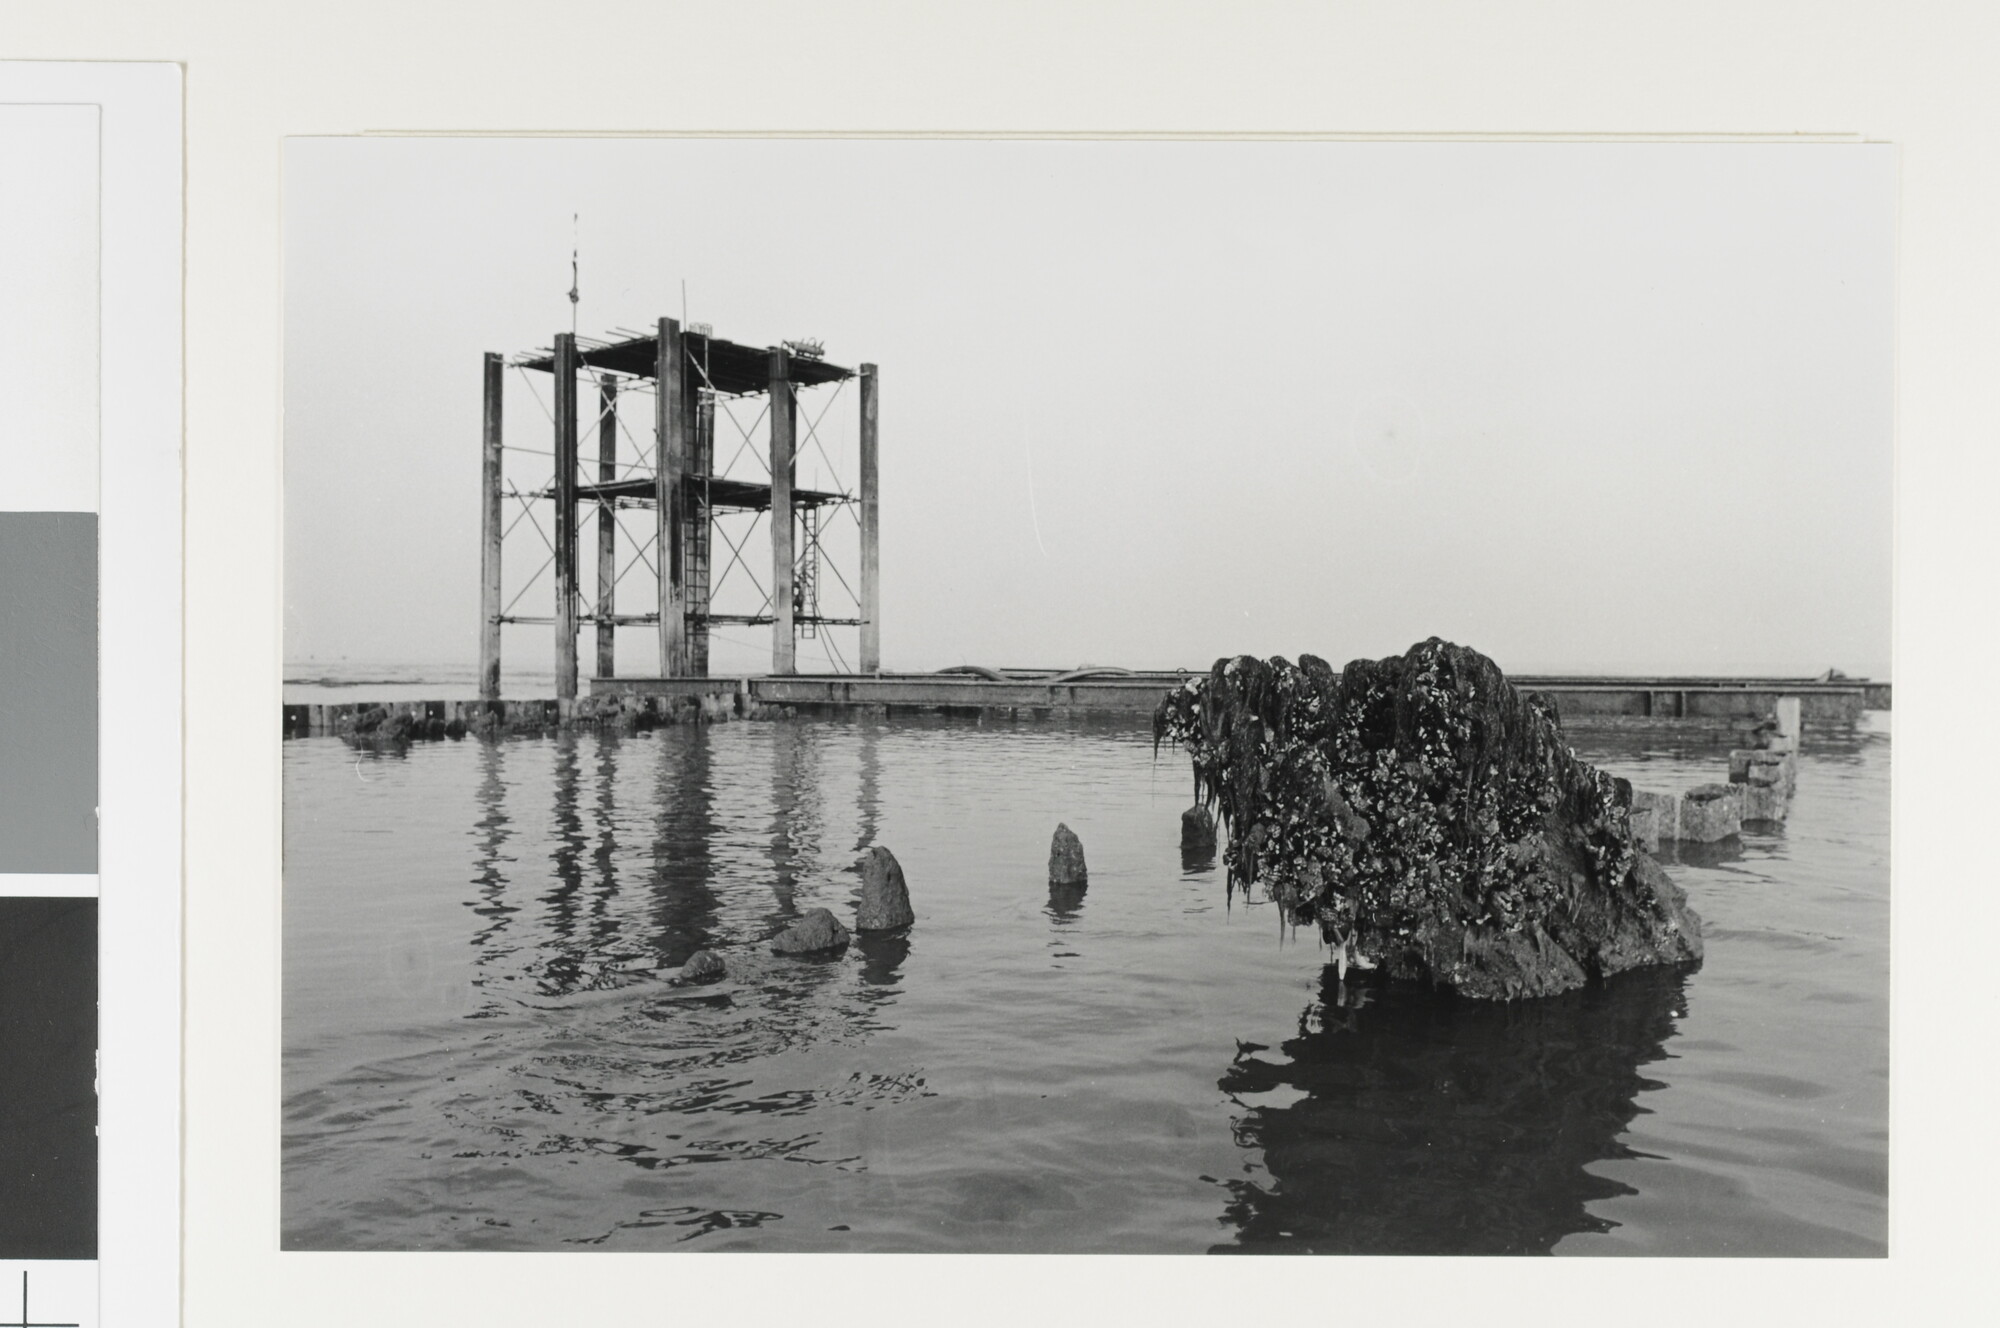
(1430, 819)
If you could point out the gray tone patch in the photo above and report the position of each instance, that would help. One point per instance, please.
(48, 692)
(48, 1072)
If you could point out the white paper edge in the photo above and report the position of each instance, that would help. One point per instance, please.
(47, 885)
(139, 673)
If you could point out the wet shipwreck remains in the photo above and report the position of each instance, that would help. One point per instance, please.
(1429, 819)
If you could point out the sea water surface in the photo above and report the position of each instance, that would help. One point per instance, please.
(479, 1053)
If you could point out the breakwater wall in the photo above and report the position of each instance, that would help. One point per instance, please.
(1761, 782)
(1722, 705)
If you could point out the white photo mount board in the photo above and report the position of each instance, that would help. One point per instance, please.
(101, 433)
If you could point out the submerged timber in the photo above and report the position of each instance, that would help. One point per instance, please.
(1430, 819)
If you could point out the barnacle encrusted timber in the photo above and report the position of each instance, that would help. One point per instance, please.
(1429, 819)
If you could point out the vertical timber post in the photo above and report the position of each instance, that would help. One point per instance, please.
(565, 496)
(1787, 714)
(784, 644)
(871, 525)
(607, 530)
(670, 460)
(489, 530)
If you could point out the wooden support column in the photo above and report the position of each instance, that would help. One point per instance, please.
(565, 496)
(1787, 713)
(490, 528)
(784, 421)
(670, 441)
(607, 530)
(871, 526)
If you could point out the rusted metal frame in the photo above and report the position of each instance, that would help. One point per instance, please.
(524, 512)
(670, 442)
(639, 552)
(812, 432)
(868, 603)
(643, 461)
(632, 562)
(834, 567)
(493, 536)
(834, 654)
(817, 546)
(529, 584)
(722, 399)
(628, 385)
(527, 501)
(607, 528)
(746, 440)
(567, 458)
(783, 465)
(624, 620)
(760, 618)
(534, 392)
(736, 556)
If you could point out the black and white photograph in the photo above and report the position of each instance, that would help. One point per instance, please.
(962, 695)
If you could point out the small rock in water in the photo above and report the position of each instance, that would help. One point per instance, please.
(816, 930)
(703, 966)
(1198, 829)
(1066, 859)
(885, 899)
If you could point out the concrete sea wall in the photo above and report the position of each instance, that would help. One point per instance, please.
(1585, 704)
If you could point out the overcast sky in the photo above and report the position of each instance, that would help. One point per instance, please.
(1584, 407)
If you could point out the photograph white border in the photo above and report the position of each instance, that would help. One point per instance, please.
(139, 670)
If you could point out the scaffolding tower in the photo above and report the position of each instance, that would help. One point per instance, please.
(686, 372)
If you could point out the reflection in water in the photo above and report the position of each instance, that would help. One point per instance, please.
(1688, 853)
(563, 968)
(1065, 902)
(798, 813)
(1435, 1125)
(491, 833)
(685, 907)
(870, 801)
(605, 932)
(881, 955)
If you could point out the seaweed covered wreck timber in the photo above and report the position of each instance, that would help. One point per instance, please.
(1429, 819)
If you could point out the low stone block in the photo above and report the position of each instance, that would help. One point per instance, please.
(1764, 802)
(1711, 812)
(1779, 770)
(1655, 817)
